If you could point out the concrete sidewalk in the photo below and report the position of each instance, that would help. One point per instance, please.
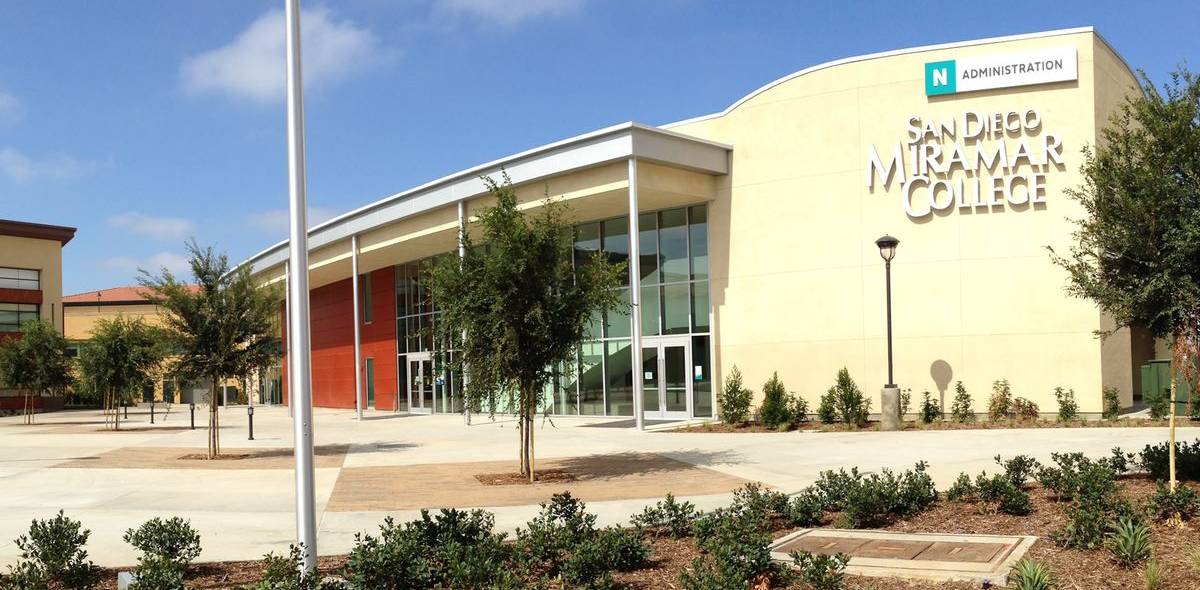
(242, 513)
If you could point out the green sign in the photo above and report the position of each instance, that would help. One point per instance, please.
(940, 77)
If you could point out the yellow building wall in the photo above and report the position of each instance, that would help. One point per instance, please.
(43, 255)
(798, 283)
(80, 320)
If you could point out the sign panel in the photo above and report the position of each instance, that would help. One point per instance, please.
(1005, 70)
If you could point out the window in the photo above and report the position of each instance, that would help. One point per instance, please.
(365, 286)
(14, 315)
(20, 278)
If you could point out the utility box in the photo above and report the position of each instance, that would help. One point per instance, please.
(1156, 378)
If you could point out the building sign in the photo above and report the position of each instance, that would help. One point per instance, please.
(985, 72)
(973, 160)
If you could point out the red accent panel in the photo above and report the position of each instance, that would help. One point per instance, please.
(332, 336)
(21, 296)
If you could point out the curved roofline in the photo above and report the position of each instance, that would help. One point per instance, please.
(629, 139)
(895, 52)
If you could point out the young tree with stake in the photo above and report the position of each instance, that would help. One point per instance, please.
(515, 306)
(223, 327)
(37, 363)
(1137, 250)
(124, 356)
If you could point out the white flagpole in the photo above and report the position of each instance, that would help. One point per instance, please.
(299, 346)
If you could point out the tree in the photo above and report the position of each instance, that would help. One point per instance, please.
(222, 327)
(514, 306)
(1137, 248)
(123, 357)
(36, 363)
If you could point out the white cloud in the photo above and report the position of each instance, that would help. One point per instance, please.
(160, 228)
(507, 12)
(176, 263)
(20, 168)
(251, 67)
(276, 220)
(10, 108)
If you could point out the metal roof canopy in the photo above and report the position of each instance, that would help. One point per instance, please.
(604, 146)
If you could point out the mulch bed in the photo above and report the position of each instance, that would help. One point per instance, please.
(511, 479)
(228, 574)
(979, 424)
(1174, 549)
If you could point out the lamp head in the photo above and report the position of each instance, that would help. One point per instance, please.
(887, 247)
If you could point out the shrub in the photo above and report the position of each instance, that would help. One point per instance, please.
(1159, 403)
(52, 556)
(998, 488)
(848, 403)
(562, 524)
(961, 410)
(735, 553)
(1019, 469)
(1112, 403)
(1000, 404)
(827, 410)
(454, 549)
(668, 517)
(805, 509)
(1087, 524)
(930, 410)
(733, 401)
(962, 490)
(878, 498)
(155, 572)
(1031, 575)
(798, 409)
(591, 563)
(905, 402)
(1154, 460)
(1182, 503)
(1074, 475)
(759, 504)
(394, 559)
(1068, 410)
(821, 572)
(775, 410)
(1129, 542)
(1023, 409)
(283, 572)
(173, 539)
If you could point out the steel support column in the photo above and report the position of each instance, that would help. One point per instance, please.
(635, 298)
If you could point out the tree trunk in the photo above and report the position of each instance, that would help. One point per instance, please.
(521, 444)
(116, 412)
(213, 441)
(1176, 351)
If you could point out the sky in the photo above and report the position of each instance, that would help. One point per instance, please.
(147, 123)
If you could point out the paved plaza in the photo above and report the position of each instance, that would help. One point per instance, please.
(394, 464)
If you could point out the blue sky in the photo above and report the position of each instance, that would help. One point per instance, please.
(144, 123)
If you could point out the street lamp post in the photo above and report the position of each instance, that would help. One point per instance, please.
(890, 397)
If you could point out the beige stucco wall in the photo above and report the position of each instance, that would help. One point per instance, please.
(43, 255)
(798, 284)
(80, 320)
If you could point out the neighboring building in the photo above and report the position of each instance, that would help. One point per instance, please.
(30, 281)
(757, 227)
(82, 311)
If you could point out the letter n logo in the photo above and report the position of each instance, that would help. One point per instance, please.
(940, 77)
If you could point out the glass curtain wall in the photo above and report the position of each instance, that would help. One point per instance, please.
(675, 302)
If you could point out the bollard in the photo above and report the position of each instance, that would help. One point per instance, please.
(152, 411)
(125, 404)
(193, 408)
(250, 414)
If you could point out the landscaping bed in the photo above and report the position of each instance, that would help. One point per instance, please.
(1100, 522)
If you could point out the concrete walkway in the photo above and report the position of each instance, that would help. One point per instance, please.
(242, 513)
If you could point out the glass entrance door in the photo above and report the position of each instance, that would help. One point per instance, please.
(420, 383)
(666, 388)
